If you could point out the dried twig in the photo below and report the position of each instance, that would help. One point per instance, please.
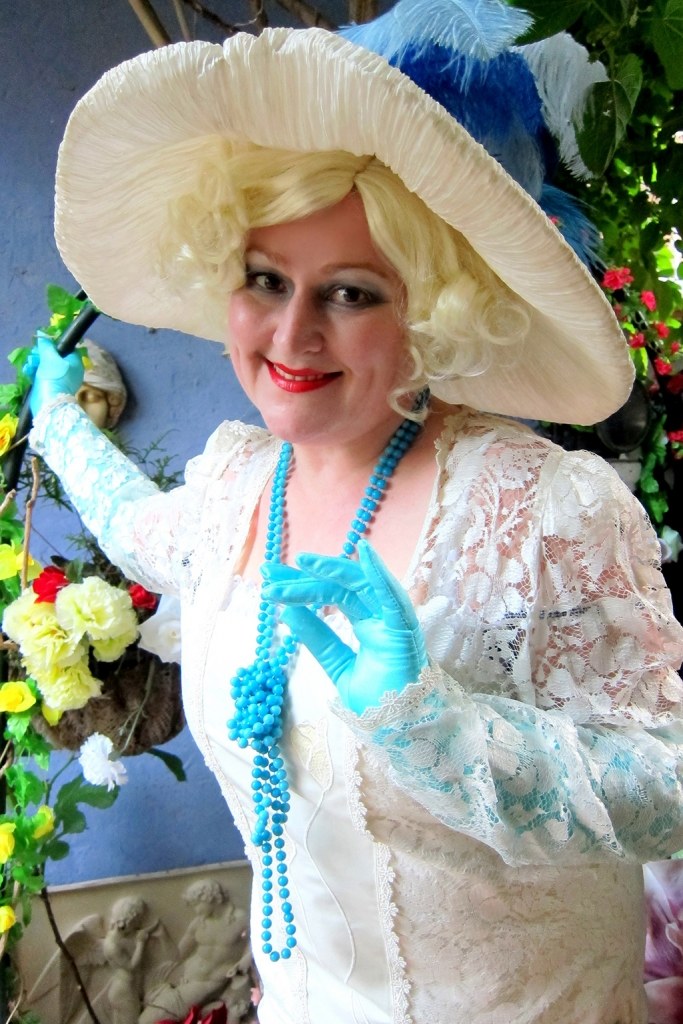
(7, 501)
(150, 21)
(182, 20)
(363, 10)
(45, 897)
(309, 15)
(211, 16)
(260, 17)
(35, 473)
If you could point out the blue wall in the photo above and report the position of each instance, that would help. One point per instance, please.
(53, 51)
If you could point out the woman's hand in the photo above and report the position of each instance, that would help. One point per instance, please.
(392, 651)
(52, 374)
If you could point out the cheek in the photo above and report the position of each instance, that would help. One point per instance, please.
(245, 326)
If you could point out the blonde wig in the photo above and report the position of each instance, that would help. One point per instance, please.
(458, 315)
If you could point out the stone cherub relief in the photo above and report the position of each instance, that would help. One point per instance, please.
(103, 394)
(134, 971)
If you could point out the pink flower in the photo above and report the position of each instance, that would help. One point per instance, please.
(637, 340)
(662, 330)
(616, 278)
(648, 300)
(662, 366)
(664, 941)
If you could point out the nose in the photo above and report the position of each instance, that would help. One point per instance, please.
(298, 326)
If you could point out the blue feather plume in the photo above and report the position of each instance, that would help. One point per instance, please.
(461, 53)
(573, 224)
(475, 28)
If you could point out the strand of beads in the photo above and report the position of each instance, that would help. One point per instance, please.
(259, 690)
(398, 445)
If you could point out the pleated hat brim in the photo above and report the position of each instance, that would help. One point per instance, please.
(130, 147)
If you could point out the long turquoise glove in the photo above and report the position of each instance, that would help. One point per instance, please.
(52, 374)
(392, 651)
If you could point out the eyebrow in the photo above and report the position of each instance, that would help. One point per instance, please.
(278, 258)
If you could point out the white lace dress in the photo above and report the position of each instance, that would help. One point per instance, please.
(469, 852)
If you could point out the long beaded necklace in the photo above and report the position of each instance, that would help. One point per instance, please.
(259, 690)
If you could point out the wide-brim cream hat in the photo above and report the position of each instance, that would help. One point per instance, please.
(125, 155)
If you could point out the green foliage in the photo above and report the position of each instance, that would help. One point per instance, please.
(41, 810)
(627, 133)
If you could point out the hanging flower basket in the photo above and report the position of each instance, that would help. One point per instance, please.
(139, 708)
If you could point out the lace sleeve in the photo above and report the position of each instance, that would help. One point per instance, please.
(110, 493)
(588, 766)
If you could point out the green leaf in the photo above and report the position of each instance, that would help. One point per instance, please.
(26, 788)
(667, 39)
(9, 393)
(607, 113)
(31, 881)
(18, 356)
(551, 17)
(173, 763)
(59, 300)
(77, 791)
(641, 362)
(57, 849)
(17, 724)
(72, 820)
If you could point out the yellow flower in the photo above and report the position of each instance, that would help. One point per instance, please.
(51, 715)
(8, 428)
(15, 696)
(69, 687)
(7, 918)
(98, 609)
(113, 647)
(12, 561)
(44, 644)
(44, 820)
(6, 840)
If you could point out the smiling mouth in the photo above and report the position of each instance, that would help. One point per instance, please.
(299, 380)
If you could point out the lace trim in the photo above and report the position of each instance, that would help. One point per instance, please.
(400, 985)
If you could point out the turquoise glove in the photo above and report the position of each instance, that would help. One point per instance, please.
(392, 651)
(52, 374)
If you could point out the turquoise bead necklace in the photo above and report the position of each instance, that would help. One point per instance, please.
(259, 691)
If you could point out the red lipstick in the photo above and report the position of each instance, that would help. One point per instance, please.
(299, 380)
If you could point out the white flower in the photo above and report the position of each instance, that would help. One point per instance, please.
(98, 766)
(160, 634)
(671, 544)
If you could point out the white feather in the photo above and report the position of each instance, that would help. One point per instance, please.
(475, 28)
(564, 74)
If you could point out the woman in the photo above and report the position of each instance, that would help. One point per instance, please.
(456, 796)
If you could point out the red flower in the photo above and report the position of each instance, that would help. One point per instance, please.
(48, 584)
(142, 598)
(637, 340)
(675, 384)
(662, 330)
(675, 435)
(648, 300)
(675, 346)
(662, 367)
(616, 278)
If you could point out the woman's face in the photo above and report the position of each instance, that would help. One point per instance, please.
(315, 333)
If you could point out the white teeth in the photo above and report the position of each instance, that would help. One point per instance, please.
(293, 376)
